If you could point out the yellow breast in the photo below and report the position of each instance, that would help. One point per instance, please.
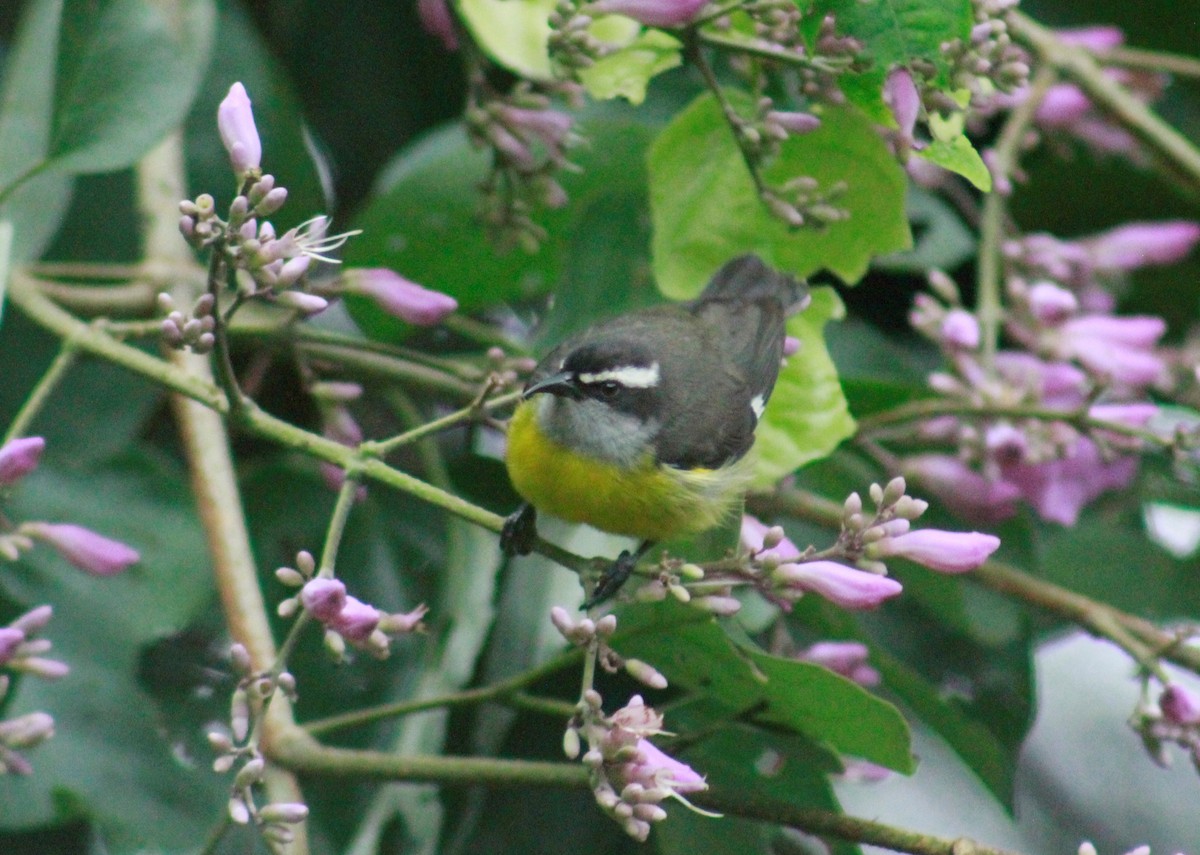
(646, 501)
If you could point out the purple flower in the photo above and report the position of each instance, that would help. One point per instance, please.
(1063, 106)
(10, 640)
(323, 598)
(356, 620)
(848, 658)
(1135, 245)
(793, 121)
(1050, 304)
(960, 330)
(652, 768)
(653, 13)
(900, 94)
(84, 548)
(845, 586)
(399, 297)
(1179, 705)
(754, 532)
(19, 457)
(1059, 489)
(235, 122)
(944, 551)
(967, 492)
(1095, 38)
(1119, 349)
(438, 21)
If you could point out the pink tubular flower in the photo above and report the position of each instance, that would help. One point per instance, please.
(1059, 489)
(356, 620)
(944, 551)
(653, 768)
(900, 94)
(399, 297)
(960, 330)
(1051, 304)
(754, 532)
(1135, 245)
(10, 640)
(842, 585)
(323, 598)
(1179, 705)
(965, 491)
(438, 21)
(653, 13)
(19, 457)
(84, 548)
(1119, 349)
(848, 658)
(235, 122)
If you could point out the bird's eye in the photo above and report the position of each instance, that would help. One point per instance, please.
(609, 388)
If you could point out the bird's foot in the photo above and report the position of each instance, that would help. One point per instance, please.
(614, 576)
(519, 533)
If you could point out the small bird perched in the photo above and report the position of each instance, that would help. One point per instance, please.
(639, 425)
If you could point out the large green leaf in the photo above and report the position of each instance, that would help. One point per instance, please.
(694, 653)
(514, 33)
(423, 224)
(807, 416)
(706, 209)
(110, 758)
(626, 73)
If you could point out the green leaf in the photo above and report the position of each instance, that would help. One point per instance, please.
(627, 72)
(127, 75)
(110, 757)
(706, 210)
(959, 156)
(423, 224)
(895, 32)
(35, 205)
(694, 653)
(515, 33)
(807, 416)
(940, 238)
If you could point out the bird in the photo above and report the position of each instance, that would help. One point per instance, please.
(640, 425)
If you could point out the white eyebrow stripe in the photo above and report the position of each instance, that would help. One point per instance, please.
(629, 376)
(758, 403)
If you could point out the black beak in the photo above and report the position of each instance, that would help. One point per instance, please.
(562, 384)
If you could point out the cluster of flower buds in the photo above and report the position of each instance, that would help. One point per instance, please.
(347, 620)
(988, 62)
(801, 202)
(238, 746)
(586, 632)
(852, 572)
(82, 547)
(19, 734)
(22, 652)
(630, 776)
(1175, 719)
(529, 141)
(196, 332)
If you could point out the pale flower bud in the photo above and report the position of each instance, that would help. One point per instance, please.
(235, 122)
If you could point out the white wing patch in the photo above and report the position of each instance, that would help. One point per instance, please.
(629, 376)
(758, 403)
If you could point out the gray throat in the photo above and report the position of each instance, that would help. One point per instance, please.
(595, 430)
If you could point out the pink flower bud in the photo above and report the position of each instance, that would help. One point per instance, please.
(753, 533)
(84, 548)
(1180, 705)
(399, 297)
(960, 330)
(900, 93)
(1050, 304)
(438, 21)
(793, 121)
(1135, 245)
(848, 658)
(19, 457)
(306, 304)
(10, 640)
(1119, 349)
(791, 346)
(323, 598)
(944, 551)
(235, 122)
(653, 13)
(845, 586)
(356, 621)
(1096, 38)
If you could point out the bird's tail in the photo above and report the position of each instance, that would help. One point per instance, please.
(748, 279)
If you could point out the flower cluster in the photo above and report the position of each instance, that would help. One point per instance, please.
(22, 652)
(347, 620)
(1071, 355)
(1174, 719)
(238, 746)
(630, 777)
(529, 141)
(269, 266)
